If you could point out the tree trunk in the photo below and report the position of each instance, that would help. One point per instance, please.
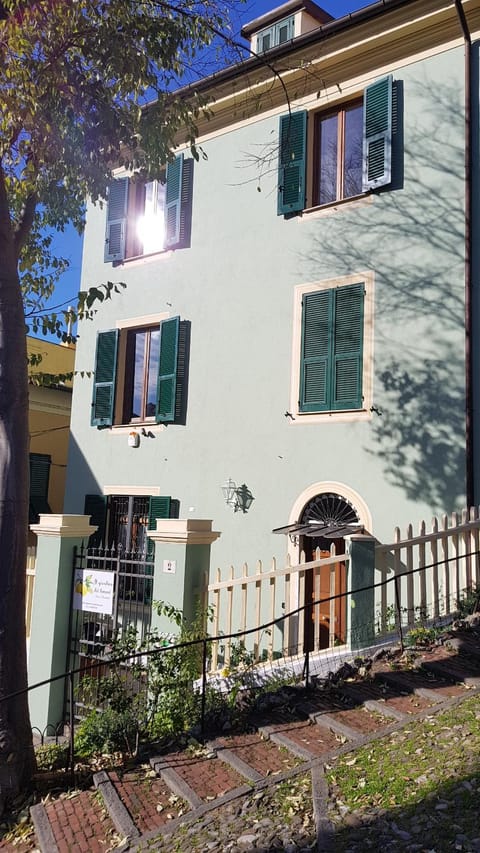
(16, 752)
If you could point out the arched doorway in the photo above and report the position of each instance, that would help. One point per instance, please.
(326, 519)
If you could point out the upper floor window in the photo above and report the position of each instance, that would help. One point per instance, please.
(277, 34)
(141, 374)
(148, 217)
(351, 151)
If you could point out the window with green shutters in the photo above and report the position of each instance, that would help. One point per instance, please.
(141, 374)
(350, 150)
(331, 363)
(124, 519)
(144, 218)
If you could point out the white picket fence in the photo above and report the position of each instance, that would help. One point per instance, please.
(247, 600)
(417, 578)
(424, 575)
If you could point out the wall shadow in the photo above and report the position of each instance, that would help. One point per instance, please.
(413, 239)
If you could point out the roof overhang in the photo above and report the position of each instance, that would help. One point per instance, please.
(317, 530)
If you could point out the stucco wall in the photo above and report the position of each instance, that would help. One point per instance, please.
(236, 286)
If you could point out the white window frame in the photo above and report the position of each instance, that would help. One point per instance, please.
(273, 30)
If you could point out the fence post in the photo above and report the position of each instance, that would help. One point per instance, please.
(182, 560)
(71, 699)
(360, 576)
(204, 688)
(57, 535)
(398, 611)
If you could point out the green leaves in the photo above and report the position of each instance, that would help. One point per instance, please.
(75, 80)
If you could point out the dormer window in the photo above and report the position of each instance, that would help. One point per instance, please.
(277, 34)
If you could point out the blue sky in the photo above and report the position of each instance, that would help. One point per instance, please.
(69, 244)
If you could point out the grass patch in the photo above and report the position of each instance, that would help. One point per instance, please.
(420, 783)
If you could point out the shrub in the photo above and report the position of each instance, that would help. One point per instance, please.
(469, 602)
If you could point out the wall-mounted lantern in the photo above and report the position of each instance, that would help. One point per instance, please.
(238, 497)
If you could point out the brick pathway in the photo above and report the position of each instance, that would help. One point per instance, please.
(142, 804)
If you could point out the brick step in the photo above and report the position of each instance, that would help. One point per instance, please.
(454, 669)
(343, 714)
(386, 700)
(253, 756)
(150, 803)
(423, 683)
(197, 777)
(303, 738)
(74, 824)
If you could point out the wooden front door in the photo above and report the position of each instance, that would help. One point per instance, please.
(320, 585)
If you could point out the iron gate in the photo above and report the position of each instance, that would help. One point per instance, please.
(92, 634)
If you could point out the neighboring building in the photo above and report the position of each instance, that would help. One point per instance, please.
(49, 422)
(297, 302)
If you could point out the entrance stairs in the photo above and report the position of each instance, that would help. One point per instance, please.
(301, 733)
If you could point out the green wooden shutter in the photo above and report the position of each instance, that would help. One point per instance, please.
(348, 348)
(159, 507)
(104, 379)
(173, 202)
(116, 220)
(315, 370)
(167, 371)
(292, 162)
(186, 201)
(96, 507)
(377, 134)
(39, 480)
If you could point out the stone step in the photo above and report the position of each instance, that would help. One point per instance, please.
(197, 777)
(343, 714)
(454, 670)
(330, 722)
(252, 755)
(395, 702)
(423, 682)
(303, 738)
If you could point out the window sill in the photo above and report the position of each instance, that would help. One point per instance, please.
(347, 416)
(139, 260)
(148, 426)
(337, 206)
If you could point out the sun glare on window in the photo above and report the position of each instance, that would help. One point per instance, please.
(151, 226)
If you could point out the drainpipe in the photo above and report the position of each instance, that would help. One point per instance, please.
(468, 258)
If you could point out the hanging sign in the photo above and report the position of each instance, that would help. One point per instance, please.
(93, 591)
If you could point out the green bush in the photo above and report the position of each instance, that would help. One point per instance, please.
(150, 696)
(421, 636)
(469, 602)
(52, 756)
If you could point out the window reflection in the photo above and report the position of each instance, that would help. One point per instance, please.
(142, 364)
(151, 225)
(338, 143)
